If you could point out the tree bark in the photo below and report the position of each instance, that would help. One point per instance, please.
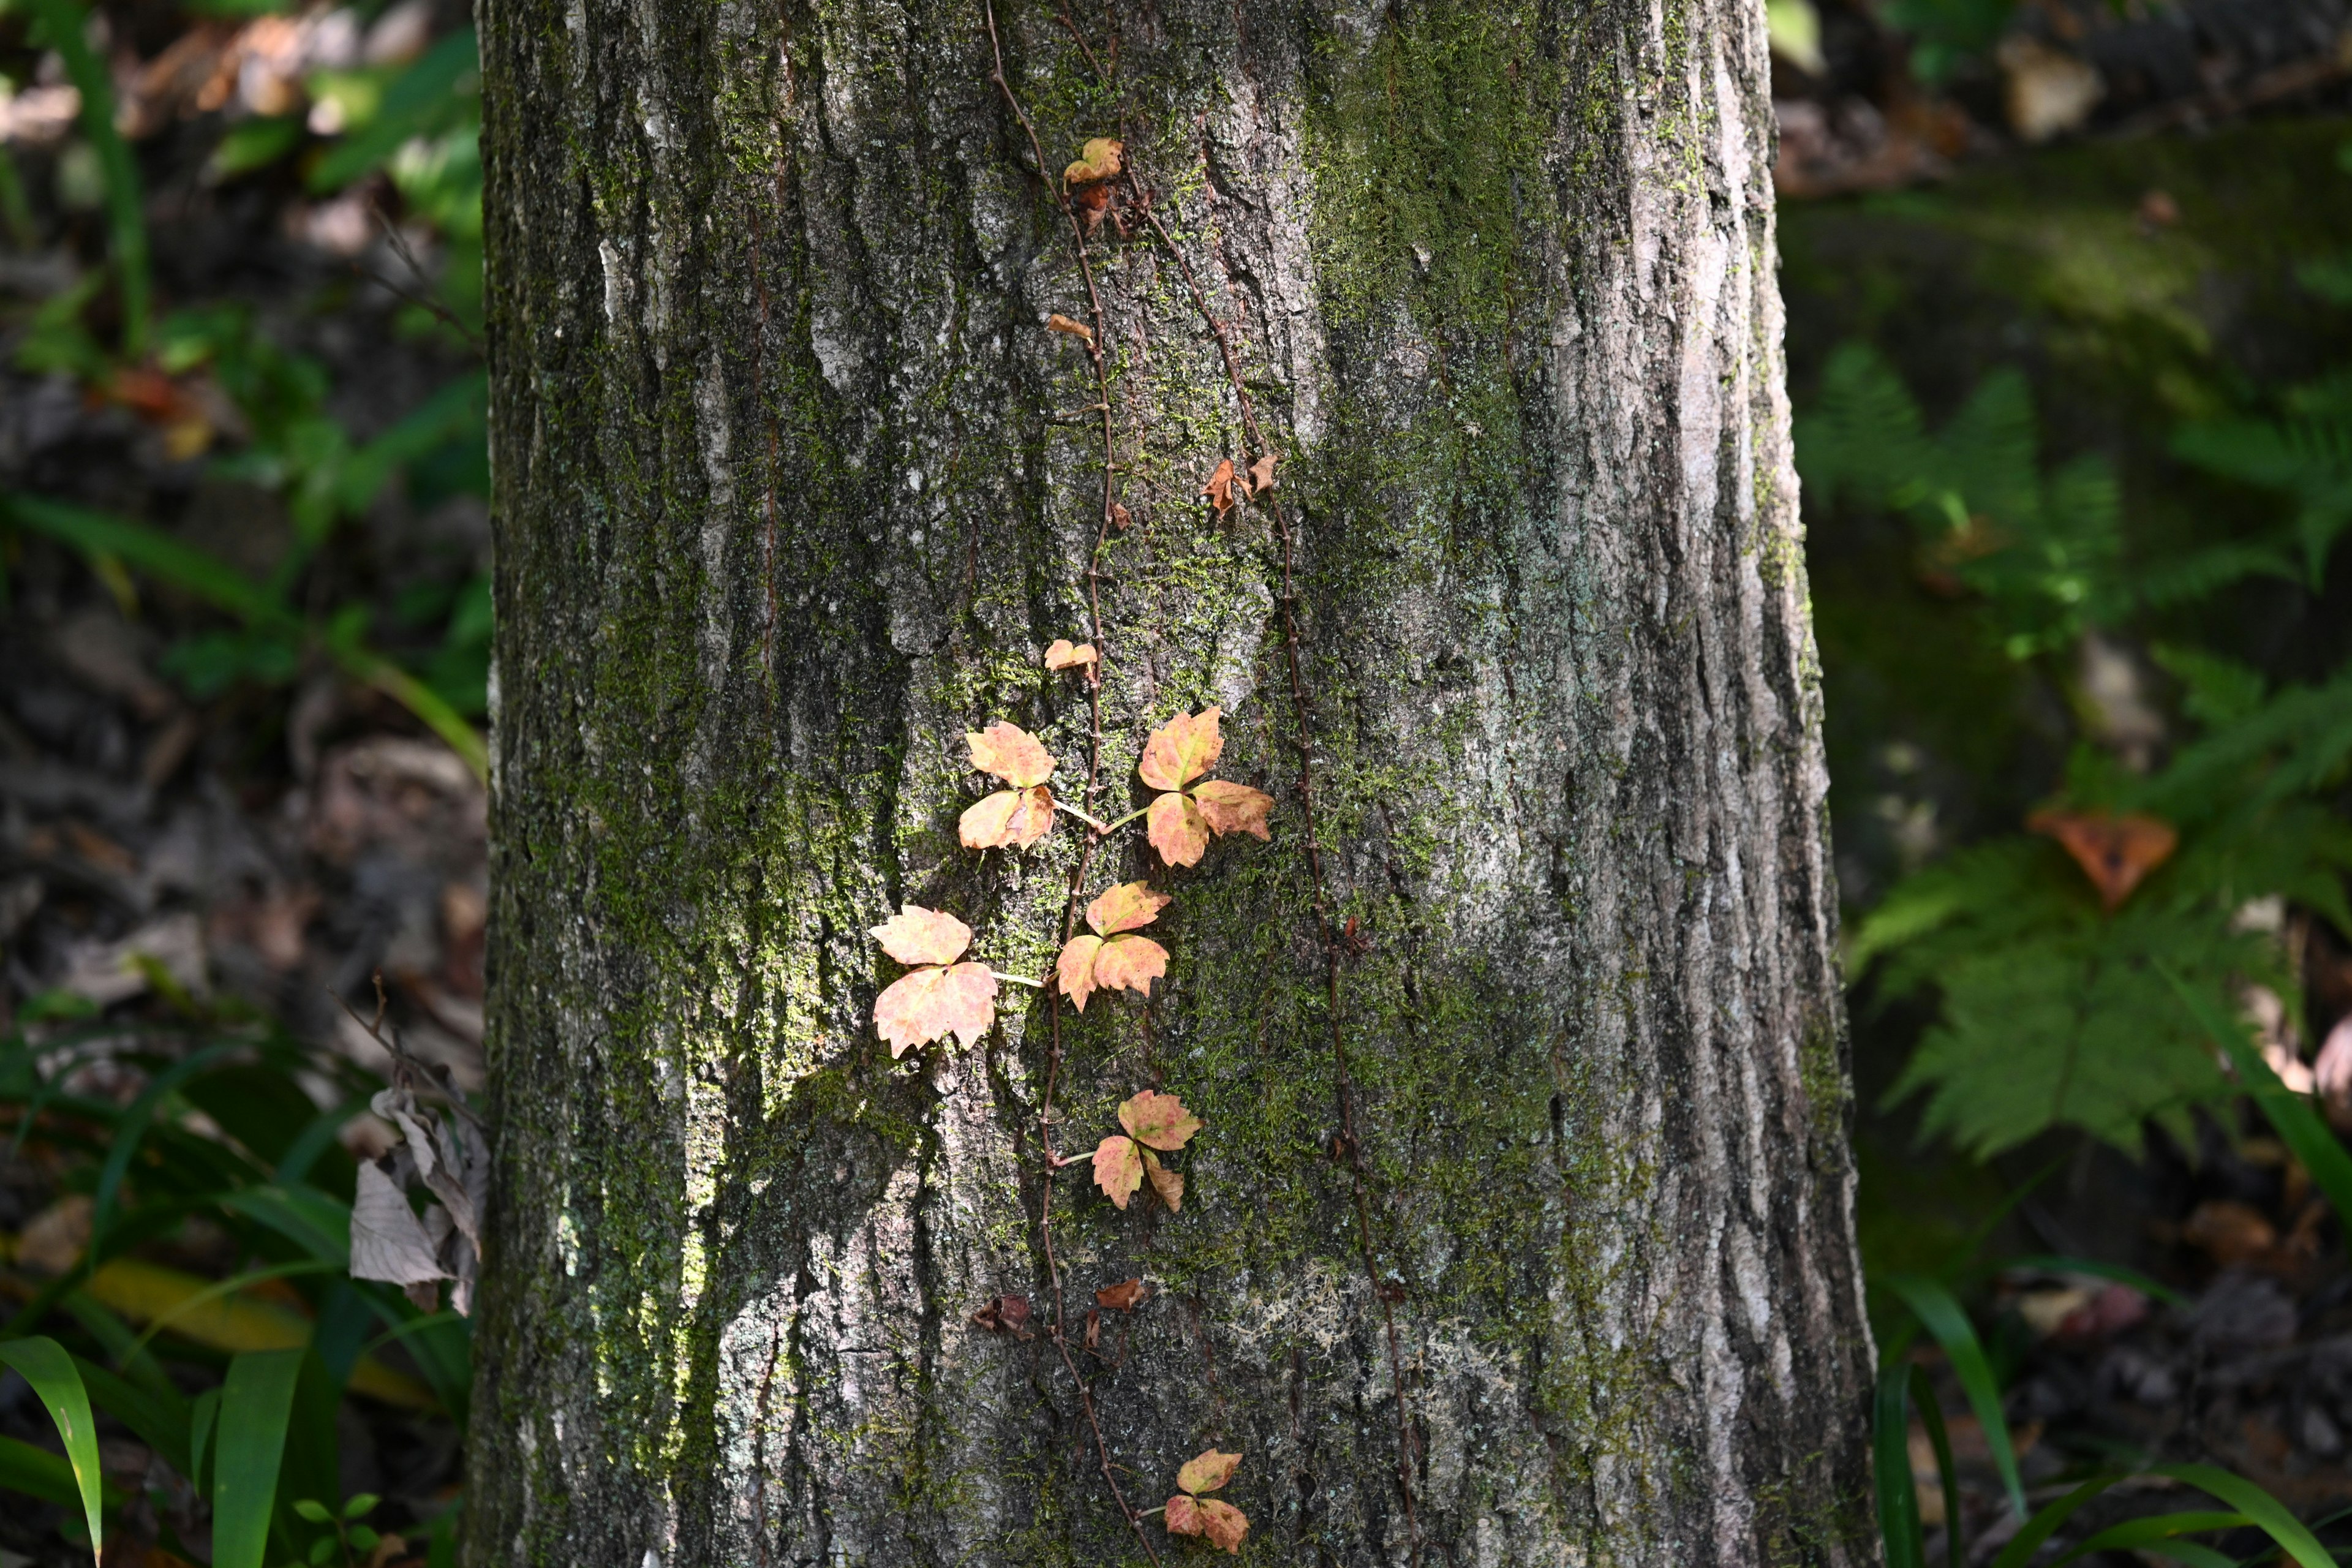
(1519, 1227)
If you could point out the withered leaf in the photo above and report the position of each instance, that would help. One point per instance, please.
(1059, 323)
(1119, 516)
(925, 1004)
(2115, 852)
(1159, 1120)
(1220, 487)
(1228, 808)
(1125, 908)
(1012, 754)
(1205, 1472)
(1074, 969)
(918, 935)
(1123, 1296)
(1222, 1523)
(1010, 816)
(387, 1241)
(1093, 1329)
(1061, 654)
(1169, 1184)
(1004, 1315)
(1101, 159)
(1261, 474)
(1183, 748)
(1118, 1168)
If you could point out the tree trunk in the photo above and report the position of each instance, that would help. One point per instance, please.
(1519, 1230)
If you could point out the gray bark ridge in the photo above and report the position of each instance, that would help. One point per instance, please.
(792, 487)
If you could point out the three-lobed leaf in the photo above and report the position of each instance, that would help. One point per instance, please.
(1061, 654)
(1189, 1513)
(1186, 814)
(1019, 815)
(940, 997)
(1110, 959)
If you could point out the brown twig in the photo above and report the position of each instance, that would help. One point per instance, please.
(439, 312)
(1352, 1140)
(1094, 763)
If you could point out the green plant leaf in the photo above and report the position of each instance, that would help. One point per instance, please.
(62, 23)
(36, 1472)
(2264, 1511)
(257, 1402)
(1943, 1318)
(2150, 1530)
(204, 1415)
(1931, 1416)
(1898, 1500)
(2047, 1521)
(150, 550)
(44, 1363)
(313, 1510)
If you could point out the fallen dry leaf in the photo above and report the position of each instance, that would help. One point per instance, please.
(1010, 753)
(1062, 655)
(918, 935)
(2115, 852)
(1168, 1185)
(1119, 516)
(1118, 1168)
(1004, 1315)
(1261, 474)
(1059, 323)
(1101, 159)
(1016, 818)
(1220, 487)
(1123, 1296)
(1159, 1120)
(2229, 1232)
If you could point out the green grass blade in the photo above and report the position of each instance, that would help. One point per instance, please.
(1942, 1315)
(2299, 1126)
(1898, 1501)
(2121, 1275)
(203, 1412)
(429, 706)
(2149, 1531)
(2046, 1522)
(36, 1472)
(1931, 1415)
(131, 1129)
(62, 21)
(160, 1423)
(150, 550)
(318, 1225)
(44, 1363)
(257, 1402)
(2264, 1511)
(2190, 1552)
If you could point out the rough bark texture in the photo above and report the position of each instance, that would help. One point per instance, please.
(792, 487)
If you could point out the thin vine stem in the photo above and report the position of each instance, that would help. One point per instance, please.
(1351, 1138)
(1093, 347)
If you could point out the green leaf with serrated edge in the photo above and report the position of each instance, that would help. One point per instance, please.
(1944, 1319)
(257, 1402)
(44, 1363)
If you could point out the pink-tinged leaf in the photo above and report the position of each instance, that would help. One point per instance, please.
(918, 935)
(1061, 654)
(1207, 1471)
(1010, 753)
(1169, 1184)
(1181, 749)
(1076, 968)
(1182, 1516)
(1010, 817)
(1233, 807)
(1177, 829)
(925, 1003)
(1130, 963)
(1125, 908)
(1222, 1523)
(1159, 1120)
(1118, 1168)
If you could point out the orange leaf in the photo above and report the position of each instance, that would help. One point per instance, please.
(1233, 807)
(1220, 487)
(1183, 748)
(1076, 968)
(1100, 159)
(1169, 1184)
(1123, 1296)
(1119, 516)
(918, 935)
(1057, 322)
(1178, 830)
(925, 1004)
(1205, 1472)
(1129, 962)
(1125, 908)
(1159, 1120)
(1222, 1523)
(1010, 753)
(1118, 1168)
(1017, 817)
(2115, 852)
(1060, 654)
(1261, 473)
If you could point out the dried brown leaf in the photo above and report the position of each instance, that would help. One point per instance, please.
(1012, 754)
(1125, 908)
(1220, 487)
(1119, 516)
(1169, 1184)
(918, 935)
(2115, 852)
(1059, 323)
(1261, 474)
(1123, 1296)
(925, 1004)
(1118, 1168)
(1159, 1120)
(1230, 807)
(1009, 817)
(1062, 655)
(1205, 1472)
(1183, 750)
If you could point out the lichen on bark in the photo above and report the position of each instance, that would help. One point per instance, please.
(792, 489)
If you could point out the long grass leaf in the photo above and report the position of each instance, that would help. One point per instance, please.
(130, 1131)
(257, 1402)
(2047, 1521)
(63, 21)
(2149, 1530)
(204, 1414)
(318, 1225)
(2056, 1264)
(1931, 1416)
(161, 1424)
(36, 1472)
(2299, 1126)
(1943, 1318)
(44, 1363)
(1898, 1500)
(2266, 1512)
(150, 550)
(429, 707)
